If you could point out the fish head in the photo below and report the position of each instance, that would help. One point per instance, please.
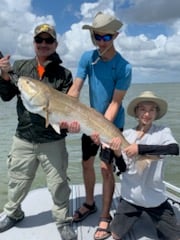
(33, 94)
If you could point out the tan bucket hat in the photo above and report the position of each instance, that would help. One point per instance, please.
(46, 28)
(148, 96)
(104, 23)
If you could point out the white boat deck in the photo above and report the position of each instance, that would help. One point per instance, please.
(39, 225)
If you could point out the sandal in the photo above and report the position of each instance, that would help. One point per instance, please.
(107, 232)
(81, 216)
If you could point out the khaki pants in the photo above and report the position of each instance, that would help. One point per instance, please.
(23, 162)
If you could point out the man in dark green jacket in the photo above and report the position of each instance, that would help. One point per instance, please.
(33, 143)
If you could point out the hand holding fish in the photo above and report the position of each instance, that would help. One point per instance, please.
(95, 138)
(72, 127)
(131, 150)
(115, 145)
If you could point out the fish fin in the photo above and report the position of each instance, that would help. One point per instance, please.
(56, 127)
(141, 165)
(143, 162)
(47, 118)
(46, 110)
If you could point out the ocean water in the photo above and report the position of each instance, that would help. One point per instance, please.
(8, 121)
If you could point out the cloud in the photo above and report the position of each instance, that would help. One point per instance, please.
(143, 11)
(154, 57)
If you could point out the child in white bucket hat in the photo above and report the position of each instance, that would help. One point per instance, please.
(109, 76)
(146, 191)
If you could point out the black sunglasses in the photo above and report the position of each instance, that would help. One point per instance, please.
(105, 38)
(49, 40)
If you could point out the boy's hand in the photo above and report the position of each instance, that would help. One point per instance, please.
(95, 138)
(115, 145)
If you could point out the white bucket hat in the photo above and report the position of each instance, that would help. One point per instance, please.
(148, 96)
(104, 23)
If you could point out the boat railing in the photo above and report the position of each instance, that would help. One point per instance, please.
(172, 187)
(173, 193)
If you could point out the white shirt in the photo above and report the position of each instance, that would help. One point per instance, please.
(146, 189)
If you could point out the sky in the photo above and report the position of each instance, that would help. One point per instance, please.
(149, 38)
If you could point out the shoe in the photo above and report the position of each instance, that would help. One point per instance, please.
(67, 232)
(8, 222)
(107, 232)
(81, 216)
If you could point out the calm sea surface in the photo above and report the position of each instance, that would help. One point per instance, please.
(8, 121)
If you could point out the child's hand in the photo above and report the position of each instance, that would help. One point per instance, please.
(131, 150)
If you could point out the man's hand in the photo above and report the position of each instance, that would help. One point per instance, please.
(73, 127)
(5, 67)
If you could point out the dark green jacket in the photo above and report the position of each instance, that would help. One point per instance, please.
(31, 127)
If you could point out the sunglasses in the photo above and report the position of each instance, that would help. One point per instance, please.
(49, 40)
(105, 38)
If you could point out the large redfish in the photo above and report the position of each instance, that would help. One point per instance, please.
(56, 107)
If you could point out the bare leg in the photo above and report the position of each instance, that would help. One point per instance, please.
(108, 190)
(89, 179)
(89, 183)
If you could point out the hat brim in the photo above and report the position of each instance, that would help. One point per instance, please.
(111, 27)
(50, 34)
(160, 103)
(88, 27)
